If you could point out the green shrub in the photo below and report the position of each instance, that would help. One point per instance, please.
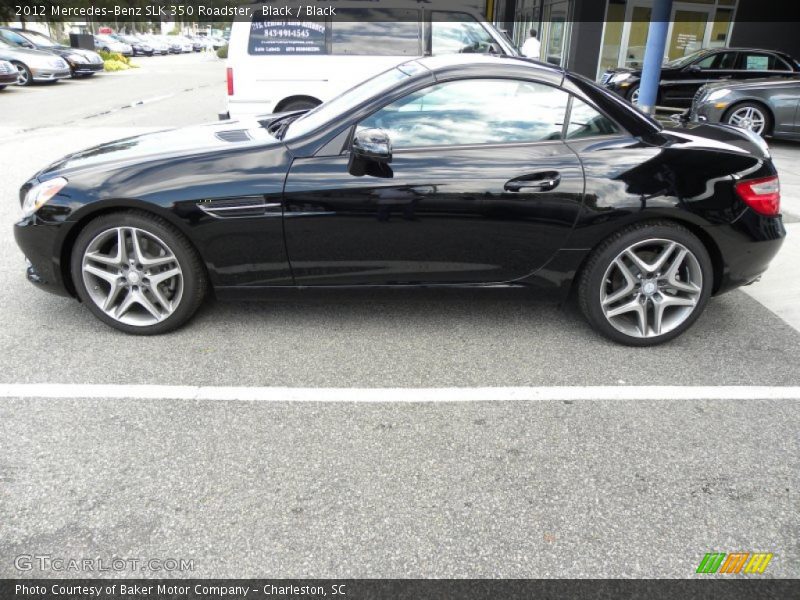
(114, 61)
(222, 52)
(115, 65)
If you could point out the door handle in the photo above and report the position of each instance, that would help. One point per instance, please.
(542, 182)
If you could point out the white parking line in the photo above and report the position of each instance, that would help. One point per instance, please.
(448, 394)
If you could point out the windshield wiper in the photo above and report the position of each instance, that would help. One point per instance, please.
(277, 128)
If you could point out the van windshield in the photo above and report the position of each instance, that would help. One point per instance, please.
(349, 100)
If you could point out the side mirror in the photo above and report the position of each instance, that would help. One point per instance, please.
(694, 68)
(370, 154)
(372, 144)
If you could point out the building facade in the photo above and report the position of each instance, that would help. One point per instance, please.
(589, 36)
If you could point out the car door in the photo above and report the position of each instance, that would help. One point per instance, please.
(480, 189)
(680, 90)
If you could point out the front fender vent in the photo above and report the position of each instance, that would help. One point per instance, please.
(250, 206)
(233, 135)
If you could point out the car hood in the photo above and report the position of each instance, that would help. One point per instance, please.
(64, 50)
(27, 54)
(187, 141)
(764, 83)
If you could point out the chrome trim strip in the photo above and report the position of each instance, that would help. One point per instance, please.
(212, 211)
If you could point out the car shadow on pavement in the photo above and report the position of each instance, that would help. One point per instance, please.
(380, 338)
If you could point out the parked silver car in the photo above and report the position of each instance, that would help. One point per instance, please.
(34, 65)
(109, 44)
(8, 74)
(764, 106)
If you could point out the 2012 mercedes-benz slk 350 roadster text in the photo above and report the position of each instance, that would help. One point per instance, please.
(460, 170)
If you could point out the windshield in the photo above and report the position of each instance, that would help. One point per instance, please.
(350, 99)
(685, 60)
(40, 40)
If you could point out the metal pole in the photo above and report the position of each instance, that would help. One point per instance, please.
(654, 55)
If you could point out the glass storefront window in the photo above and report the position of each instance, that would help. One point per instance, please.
(612, 35)
(695, 24)
(720, 28)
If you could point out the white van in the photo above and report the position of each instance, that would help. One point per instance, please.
(279, 64)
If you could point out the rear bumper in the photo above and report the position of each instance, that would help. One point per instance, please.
(747, 247)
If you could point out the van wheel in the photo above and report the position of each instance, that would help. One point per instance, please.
(299, 105)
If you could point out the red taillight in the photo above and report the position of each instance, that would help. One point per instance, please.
(229, 72)
(762, 195)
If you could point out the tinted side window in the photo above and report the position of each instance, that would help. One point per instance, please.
(14, 37)
(721, 60)
(374, 31)
(755, 61)
(585, 121)
(474, 111)
(458, 33)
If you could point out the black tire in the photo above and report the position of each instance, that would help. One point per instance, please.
(592, 275)
(759, 107)
(631, 92)
(25, 72)
(299, 105)
(195, 283)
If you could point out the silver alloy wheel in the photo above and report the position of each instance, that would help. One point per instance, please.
(635, 96)
(22, 75)
(651, 288)
(132, 275)
(748, 117)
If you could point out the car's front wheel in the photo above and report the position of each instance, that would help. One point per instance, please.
(633, 95)
(24, 75)
(646, 284)
(750, 116)
(137, 273)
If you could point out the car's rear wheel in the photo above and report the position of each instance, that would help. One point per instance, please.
(137, 273)
(646, 284)
(24, 76)
(750, 116)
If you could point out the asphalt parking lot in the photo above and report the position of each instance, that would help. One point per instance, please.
(485, 488)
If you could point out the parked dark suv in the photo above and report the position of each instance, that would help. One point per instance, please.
(682, 77)
(82, 63)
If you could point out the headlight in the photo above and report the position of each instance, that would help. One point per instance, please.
(619, 77)
(717, 95)
(39, 195)
(77, 58)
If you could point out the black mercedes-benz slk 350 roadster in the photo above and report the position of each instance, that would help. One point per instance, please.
(463, 170)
